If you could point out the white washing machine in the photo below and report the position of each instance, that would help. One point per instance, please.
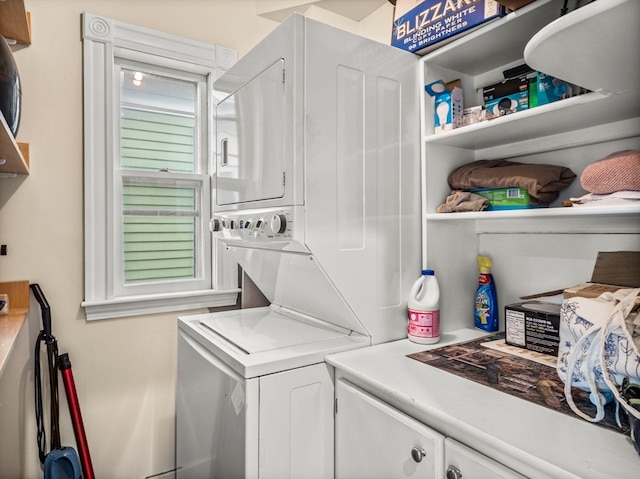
(255, 397)
(317, 197)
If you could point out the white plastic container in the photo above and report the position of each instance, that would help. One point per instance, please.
(424, 309)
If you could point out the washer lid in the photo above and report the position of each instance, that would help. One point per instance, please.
(259, 330)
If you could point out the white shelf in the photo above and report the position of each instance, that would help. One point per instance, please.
(578, 211)
(498, 43)
(584, 111)
(595, 46)
(584, 220)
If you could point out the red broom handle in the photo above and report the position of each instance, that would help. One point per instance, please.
(76, 416)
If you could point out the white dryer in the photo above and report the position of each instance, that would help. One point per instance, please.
(317, 196)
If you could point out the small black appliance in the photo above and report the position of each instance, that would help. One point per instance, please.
(10, 92)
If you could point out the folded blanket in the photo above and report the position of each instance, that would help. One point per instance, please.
(619, 171)
(541, 181)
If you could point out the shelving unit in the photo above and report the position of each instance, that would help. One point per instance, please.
(540, 249)
(608, 113)
(15, 27)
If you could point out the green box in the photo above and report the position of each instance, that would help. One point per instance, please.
(509, 198)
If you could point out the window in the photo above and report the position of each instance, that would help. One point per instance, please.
(148, 172)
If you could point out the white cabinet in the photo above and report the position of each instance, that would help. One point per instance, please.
(274, 426)
(463, 462)
(526, 245)
(373, 440)
(376, 441)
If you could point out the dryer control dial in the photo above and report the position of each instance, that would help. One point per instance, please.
(215, 225)
(278, 223)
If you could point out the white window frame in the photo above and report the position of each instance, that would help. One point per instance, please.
(106, 42)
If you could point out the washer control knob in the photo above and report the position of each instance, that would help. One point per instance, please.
(417, 453)
(215, 225)
(279, 223)
(453, 473)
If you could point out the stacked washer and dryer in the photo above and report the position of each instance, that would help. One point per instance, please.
(317, 197)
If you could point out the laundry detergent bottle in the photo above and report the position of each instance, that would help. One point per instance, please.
(486, 312)
(424, 309)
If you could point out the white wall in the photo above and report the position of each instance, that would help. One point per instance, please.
(124, 369)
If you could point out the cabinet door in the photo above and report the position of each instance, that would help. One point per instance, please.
(250, 126)
(375, 441)
(296, 423)
(214, 411)
(463, 462)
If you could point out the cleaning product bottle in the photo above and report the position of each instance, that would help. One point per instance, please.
(486, 312)
(424, 309)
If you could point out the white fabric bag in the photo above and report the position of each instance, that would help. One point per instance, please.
(597, 345)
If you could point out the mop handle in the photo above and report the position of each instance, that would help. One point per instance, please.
(52, 353)
(46, 311)
(76, 416)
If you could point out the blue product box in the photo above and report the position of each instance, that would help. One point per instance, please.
(552, 89)
(439, 21)
(448, 104)
(507, 97)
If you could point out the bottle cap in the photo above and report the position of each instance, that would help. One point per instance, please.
(484, 263)
(428, 272)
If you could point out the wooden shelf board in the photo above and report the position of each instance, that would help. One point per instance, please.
(15, 22)
(13, 153)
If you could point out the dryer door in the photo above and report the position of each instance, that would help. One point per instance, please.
(250, 136)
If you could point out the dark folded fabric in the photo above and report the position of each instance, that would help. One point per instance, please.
(541, 181)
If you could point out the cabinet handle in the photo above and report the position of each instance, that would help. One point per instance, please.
(225, 151)
(417, 453)
(453, 473)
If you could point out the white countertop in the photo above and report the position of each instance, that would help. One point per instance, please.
(531, 439)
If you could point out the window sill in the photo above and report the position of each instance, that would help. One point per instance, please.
(158, 303)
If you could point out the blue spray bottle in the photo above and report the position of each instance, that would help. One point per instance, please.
(486, 312)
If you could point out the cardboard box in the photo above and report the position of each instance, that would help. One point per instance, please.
(514, 4)
(433, 23)
(506, 97)
(533, 325)
(448, 104)
(613, 270)
(590, 290)
(509, 198)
